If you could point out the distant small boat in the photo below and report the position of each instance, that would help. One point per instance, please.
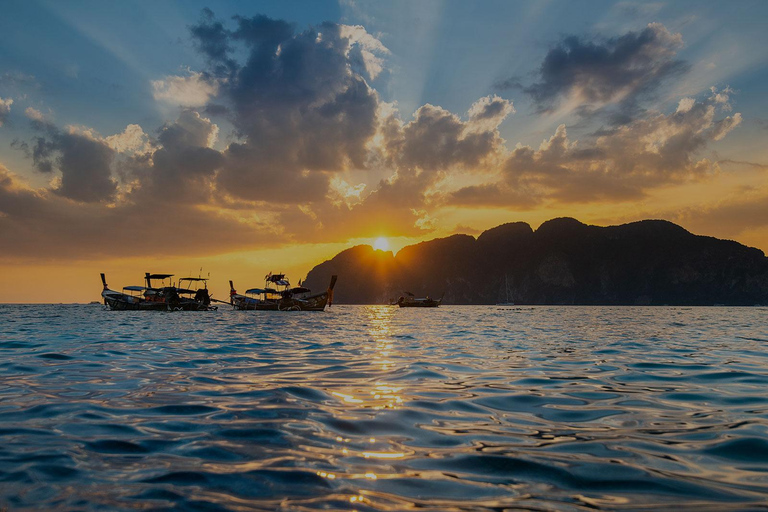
(278, 295)
(411, 301)
(164, 298)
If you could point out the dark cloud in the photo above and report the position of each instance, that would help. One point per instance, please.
(754, 165)
(213, 40)
(437, 139)
(84, 162)
(509, 84)
(619, 70)
(213, 109)
(39, 225)
(184, 166)
(295, 101)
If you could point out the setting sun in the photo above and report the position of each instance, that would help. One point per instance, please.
(381, 244)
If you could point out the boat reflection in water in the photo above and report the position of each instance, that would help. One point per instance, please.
(278, 295)
(166, 297)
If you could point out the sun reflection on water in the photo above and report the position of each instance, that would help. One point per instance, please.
(382, 394)
(371, 453)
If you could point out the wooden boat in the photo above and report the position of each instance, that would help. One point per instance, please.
(410, 301)
(278, 295)
(154, 298)
(254, 299)
(193, 297)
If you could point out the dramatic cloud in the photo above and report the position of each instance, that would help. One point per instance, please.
(396, 207)
(84, 162)
(588, 74)
(316, 156)
(5, 109)
(438, 139)
(43, 226)
(297, 103)
(625, 163)
(183, 167)
(622, 164)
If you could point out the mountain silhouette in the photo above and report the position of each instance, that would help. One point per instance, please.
(650, 262)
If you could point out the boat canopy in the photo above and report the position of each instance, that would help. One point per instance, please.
(159, 276)
(257, 291)
(275, 278)
(134, 288)
(193, 279)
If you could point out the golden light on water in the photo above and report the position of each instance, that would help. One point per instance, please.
(383, 455)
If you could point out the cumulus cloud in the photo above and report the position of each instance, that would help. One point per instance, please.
(187, 91)
(685, 105)
(590, 74)
(34, 114)
(182, 167)
(5, 109)
(724, 126)
(722, 97)
(487, 113)
(84, 161)
(131, 140)
(621, 164)
(439, 139)
(297, 102)
(365, 48)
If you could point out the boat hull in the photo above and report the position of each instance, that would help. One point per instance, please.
(121, 302)
(248, 304)
(420, 304)
(313, 303)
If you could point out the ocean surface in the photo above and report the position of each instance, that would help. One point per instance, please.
(380, 408)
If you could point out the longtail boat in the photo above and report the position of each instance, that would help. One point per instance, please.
(157, 298)
(278, 295)
(411, 301)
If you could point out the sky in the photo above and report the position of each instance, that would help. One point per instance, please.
(232, 139)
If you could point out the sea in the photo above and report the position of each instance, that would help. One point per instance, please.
(380, 408)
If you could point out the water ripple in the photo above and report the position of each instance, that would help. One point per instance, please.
(377, 408)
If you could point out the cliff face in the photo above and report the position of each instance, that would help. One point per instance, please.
(562, 262)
